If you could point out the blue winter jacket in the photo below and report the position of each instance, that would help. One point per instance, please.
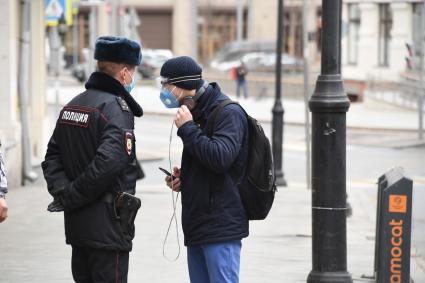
(212, 210)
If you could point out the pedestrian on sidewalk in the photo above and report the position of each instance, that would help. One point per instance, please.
(3, 189)
(213, 217)
(91, 162)
(241, 72)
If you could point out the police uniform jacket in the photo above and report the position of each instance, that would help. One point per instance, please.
(90, 156)
(212, 210)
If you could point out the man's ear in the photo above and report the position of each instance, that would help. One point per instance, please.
(121, 75)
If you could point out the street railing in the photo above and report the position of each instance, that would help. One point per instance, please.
(262, 85)
(404, 93)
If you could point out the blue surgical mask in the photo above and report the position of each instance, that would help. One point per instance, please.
(131, 86)
(167, 97)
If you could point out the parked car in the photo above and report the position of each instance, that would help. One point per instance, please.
(257, 56)
(152, 61)
(146, 68)
(81, 71)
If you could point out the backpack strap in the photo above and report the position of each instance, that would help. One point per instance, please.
(215, 113)
(210, 130)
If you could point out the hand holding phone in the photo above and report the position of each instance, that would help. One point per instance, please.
(166, 172)
(172, 180)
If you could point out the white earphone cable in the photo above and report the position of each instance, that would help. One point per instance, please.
(174, 201)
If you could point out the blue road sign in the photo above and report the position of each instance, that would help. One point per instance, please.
(55, 8)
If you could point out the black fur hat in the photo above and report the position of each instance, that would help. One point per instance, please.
(118, 50)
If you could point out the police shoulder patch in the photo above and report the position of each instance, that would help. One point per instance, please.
(129, 142)
(123, 104)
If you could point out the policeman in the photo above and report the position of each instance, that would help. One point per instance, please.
(91, 157)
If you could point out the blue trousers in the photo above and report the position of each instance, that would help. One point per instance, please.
(214, 263)
(241, 84)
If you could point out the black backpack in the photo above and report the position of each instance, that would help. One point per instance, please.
(257, 187)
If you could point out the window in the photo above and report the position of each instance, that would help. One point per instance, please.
(417, 30)
(319, 29)
(293, 36)
(215, 28)
(385, 25)
(353, 33)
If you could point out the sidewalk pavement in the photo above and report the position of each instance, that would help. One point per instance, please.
(371, 115)
(32, 247)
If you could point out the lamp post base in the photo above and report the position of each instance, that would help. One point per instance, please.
(329, 277)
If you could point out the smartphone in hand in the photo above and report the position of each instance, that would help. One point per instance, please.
(166, 172)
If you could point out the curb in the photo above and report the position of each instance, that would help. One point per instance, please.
(293, 123)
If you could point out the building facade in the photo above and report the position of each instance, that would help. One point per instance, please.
(374, 32)
(167, 24)
(10, 125)
(374, 40)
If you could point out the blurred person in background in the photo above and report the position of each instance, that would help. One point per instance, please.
(241, 72)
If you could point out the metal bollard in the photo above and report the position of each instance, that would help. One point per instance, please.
(393, 227)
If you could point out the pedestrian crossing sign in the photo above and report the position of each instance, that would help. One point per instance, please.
(54, 9)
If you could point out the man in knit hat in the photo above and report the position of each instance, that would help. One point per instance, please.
(91, 163)
(213, 217)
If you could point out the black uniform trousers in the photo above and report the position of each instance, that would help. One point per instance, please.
(99, 266)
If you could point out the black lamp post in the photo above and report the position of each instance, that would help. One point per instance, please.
(278, 111)
(329, 105)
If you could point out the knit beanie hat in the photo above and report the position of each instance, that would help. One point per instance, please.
(183, 72)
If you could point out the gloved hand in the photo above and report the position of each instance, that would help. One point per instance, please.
(55, 206)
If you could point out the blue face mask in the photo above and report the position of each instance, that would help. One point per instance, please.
(169, 100)
(131, 86)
